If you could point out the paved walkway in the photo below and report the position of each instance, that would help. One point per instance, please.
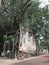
(4, 61)
(39, 60)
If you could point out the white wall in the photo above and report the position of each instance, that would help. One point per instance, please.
(28, 42)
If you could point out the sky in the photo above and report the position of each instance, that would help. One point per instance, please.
(44, 2)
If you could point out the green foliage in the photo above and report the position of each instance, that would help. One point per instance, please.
(45, 42)
(25, 12)
(8, 39)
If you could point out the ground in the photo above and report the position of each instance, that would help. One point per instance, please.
(39, 60)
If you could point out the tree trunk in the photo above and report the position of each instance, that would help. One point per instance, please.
(4, 49)
(16, 43)
(13, 47)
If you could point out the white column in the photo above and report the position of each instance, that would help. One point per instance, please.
(0, 3)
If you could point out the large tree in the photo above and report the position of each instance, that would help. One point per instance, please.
(26, 12)
(12, 12)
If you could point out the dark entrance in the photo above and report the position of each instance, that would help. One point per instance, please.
(1, 48)
(1, 43)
